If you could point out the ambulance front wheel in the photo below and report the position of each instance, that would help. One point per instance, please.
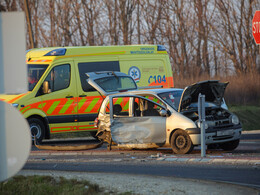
(37, 129)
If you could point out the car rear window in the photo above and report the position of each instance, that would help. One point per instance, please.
(112, 84)
(95, 67)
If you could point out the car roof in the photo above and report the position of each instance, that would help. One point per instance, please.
(149, 91)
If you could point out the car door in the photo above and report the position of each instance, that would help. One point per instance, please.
(136, 124)
(89, 99)
(94, 84)
(60, 103)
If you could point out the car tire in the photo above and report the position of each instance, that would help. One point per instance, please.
(181, 142)
(229, 146)
(37, 128)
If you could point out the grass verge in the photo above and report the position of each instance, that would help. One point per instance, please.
(248, 115)
(47, 185)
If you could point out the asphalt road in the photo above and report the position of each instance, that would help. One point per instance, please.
(251, 136)
(248, 176)
(109, 163)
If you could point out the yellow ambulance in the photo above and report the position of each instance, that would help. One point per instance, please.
(70, 104)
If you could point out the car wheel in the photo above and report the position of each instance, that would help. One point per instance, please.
(232, 145)
(37, 129)
(181, 142)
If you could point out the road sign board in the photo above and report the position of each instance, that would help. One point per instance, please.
(256, 27)
(15, 141)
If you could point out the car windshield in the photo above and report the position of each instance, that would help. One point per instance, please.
(111, 84)
(172, 98)
(35, 72)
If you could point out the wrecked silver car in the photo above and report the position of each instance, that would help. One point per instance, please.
(140, 119)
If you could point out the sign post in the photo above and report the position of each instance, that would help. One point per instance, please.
(201, 111)
(15, 139)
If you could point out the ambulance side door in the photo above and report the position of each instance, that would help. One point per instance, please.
(60, 103)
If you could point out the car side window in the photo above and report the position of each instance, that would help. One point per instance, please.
(59, 78)
(143, 107)
(121, 106)
(154, 99)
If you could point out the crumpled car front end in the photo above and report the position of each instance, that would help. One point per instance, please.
(221, 125)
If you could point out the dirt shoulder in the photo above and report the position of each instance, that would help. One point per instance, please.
(139, 184)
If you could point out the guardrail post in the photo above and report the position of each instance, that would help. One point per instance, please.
(201, 111)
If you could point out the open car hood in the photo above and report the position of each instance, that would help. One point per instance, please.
(213, 91)
(108, 82)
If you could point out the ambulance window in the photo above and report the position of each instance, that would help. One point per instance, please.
(94, 67)
(35, 72)
(59, 78)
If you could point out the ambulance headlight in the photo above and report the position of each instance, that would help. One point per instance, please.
(15, 105)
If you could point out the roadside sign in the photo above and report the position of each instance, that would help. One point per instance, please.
(201, 111)
(13, 69)
(15, 141)
(15, 137)
(256, 27)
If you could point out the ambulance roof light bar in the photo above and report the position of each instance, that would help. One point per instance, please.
(56, 52)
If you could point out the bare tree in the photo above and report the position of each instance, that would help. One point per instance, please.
(8, 5)
(152, 19)
(202, 37)
(90, 15)
(233, 34)
(113, 28)
(126, 8)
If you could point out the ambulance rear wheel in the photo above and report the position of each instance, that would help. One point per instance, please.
(37, 129)
(181, 142)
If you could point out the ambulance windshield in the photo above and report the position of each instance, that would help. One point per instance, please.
(35, 72)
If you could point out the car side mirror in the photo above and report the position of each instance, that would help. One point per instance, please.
(45, 87)
(163, 113)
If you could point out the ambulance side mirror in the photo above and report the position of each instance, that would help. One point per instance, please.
(45, 87)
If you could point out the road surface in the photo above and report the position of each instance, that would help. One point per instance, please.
(158, 162)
